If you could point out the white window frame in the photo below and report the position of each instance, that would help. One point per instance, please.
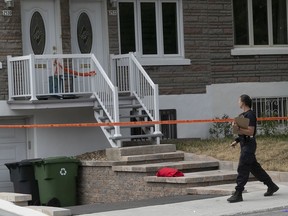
(269, 49)
(160, 58)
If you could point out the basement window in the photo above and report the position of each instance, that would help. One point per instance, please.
(169, 131)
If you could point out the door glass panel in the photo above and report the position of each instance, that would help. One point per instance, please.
(170, 35)
(148, 23)
(84, 33)
(37, 33)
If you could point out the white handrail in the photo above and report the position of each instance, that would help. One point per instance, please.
(127, 68)
(106, 94)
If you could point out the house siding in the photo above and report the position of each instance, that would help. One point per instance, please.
(10, 43)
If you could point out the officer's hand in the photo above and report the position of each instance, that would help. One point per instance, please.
(233, 144)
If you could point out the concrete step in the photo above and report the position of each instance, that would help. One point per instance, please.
(226, 189)
(16, 198)
(150, 158)
(132, 126)
(184, 166)
(121, 106)
(52, 211)
(116, 154)
(127, 117)
(197, 178)
(141, 136)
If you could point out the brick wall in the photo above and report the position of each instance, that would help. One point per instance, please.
(208, 39)
(66, 30)
(226, 68)
(10, 43)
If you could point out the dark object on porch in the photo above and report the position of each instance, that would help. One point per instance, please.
(58, 84)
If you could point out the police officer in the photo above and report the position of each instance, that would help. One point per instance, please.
(248, 162)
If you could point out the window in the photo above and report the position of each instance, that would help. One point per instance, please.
(153, 29)
(169, 131)
(261, 24)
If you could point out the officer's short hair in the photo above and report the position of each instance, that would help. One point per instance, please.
(246, 100)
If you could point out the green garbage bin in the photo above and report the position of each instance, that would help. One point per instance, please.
(56, 178)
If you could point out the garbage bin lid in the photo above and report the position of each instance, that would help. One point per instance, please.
(29, 162)
(51, 160)
(12, 165)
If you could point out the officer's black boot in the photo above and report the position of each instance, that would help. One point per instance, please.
(236, 197)
(272, 188)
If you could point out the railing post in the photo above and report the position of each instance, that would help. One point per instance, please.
(32, 77)
(116, 114)
(113, 69)
(156, 114)
(10, 78)
(131, 74)
(93, 78)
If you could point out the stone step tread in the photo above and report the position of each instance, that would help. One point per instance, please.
(154, 167)
(157, 156)
(117, 153)
(142, 136)
(131, 126)
(225, 189)
(52, 211)
(15, 197)
(196, 177)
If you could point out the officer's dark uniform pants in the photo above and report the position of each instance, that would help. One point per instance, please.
(248, 163)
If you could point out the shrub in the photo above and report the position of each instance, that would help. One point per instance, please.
(221, 129)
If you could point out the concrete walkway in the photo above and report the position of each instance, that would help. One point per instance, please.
(10, 209)
(254, 201)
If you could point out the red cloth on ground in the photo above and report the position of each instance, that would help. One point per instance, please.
(169, 172)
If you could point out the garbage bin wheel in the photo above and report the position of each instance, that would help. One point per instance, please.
(54, 202)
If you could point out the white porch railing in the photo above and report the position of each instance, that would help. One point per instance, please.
(130, 76)
(36, 76)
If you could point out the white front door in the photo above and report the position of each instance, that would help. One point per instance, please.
(89, 30)
(12, 149)
(40, 27)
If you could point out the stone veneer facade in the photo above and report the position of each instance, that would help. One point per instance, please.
(100, 184)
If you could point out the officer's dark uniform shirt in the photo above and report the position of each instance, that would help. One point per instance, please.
(248, 143)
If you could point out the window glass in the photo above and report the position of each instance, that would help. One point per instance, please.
(127, 27)
(148, 24)
(37, 33)
(260, 22)
(279, 15)
(170, 36)
(241, 32)
(84, 33)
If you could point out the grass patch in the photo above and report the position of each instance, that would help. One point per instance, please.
(272, 151)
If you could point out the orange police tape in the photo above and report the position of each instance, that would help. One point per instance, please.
(140, 123)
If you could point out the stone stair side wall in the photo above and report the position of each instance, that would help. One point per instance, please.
(99, 184)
